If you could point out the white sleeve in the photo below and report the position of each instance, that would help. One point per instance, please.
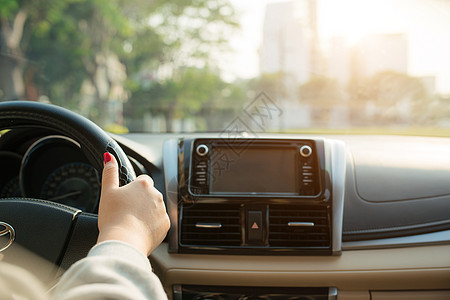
(112, 270)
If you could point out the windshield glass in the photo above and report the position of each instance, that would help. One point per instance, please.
(325, 66)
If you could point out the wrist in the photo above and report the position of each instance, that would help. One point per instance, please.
(118, 234)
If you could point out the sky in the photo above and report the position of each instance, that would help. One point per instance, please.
(425, 22)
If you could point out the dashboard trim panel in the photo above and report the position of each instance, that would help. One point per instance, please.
(338, 166)
(170, 163)
(435, 238)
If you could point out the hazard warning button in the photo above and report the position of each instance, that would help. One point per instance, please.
(254, 226)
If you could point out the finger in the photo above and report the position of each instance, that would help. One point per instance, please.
(145, 178)
(110, 177)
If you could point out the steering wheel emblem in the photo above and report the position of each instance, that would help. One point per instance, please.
(6, 230)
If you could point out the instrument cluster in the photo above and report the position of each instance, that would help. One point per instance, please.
(51, 167)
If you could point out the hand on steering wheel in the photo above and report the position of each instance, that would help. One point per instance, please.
(58, 233)
(134, 213)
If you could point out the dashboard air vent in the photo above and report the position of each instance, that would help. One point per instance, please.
(210, 225)
(296, 226)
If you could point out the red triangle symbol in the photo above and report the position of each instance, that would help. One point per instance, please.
(255, 226)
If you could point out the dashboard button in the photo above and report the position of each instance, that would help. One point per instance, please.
(254, 226)
(305, 151)
(202, 150)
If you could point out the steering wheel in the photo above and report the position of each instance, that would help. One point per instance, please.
(56, 232)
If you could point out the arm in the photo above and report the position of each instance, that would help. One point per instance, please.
(132, 223)
(112, 270)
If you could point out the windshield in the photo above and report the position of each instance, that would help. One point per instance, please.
(348, 66)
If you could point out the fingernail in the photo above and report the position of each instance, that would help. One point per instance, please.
(106, 157)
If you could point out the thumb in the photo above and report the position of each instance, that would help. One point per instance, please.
(110, 177)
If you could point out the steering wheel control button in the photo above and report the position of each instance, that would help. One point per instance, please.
(254, 226)
(202, 150)
(7, 236)
(305, 151)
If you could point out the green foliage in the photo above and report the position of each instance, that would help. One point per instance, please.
(192, 92)
(8, 8)
(272, 84)
(64, 44)
(57, 64)
(190, 28)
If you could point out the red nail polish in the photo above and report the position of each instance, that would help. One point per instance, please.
(106, 157)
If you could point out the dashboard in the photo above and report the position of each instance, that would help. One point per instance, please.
(276, 217)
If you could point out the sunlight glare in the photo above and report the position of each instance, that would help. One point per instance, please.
(355, 19)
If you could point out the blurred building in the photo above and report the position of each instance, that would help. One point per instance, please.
(339, 60)
(381, 52)
(290, 48)
(290, 43)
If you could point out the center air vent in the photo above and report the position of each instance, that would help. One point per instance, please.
(296, 226)
(300, 228)
(210, 225)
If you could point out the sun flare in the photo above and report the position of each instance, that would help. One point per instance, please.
(355, 19)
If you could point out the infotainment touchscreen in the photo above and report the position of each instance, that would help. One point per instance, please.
(260, 170)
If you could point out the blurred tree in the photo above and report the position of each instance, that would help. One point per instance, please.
(321, 92)
(193, 31)
(223, 106)
(322, 95)
(270, 83)
(390, 87)
(15, 19)
(69, 49)
(389, 97)
(165, 55)
(50, 47)
(193, 92)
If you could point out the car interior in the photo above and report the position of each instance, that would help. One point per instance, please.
(317, 218)
(317, 182)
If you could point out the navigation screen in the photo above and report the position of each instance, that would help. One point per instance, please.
(254, 170)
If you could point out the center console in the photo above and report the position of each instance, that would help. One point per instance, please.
(235, 202)
(253, 196)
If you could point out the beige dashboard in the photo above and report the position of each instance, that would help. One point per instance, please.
(389, 250)
(357, 274)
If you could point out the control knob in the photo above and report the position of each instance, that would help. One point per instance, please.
(202, 150)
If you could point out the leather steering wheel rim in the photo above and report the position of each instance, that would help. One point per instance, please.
(93, 140)
(56, 232)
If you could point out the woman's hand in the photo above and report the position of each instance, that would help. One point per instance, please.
(134, 213)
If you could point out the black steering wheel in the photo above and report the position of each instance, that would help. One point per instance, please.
(56, 232)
